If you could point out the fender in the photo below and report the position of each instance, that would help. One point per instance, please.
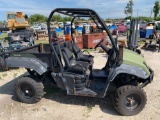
(128, 69)
(30, 63)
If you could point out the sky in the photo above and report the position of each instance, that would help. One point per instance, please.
(105, 8)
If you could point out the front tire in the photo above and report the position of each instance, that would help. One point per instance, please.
(129, 100)
(28, 90)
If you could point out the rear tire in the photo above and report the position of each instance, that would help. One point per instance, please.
(28, 90)
(3, 64)
(129, 100)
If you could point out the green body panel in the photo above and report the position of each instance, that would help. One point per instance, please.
(134, 59)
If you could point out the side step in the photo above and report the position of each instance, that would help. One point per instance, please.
(86, 92)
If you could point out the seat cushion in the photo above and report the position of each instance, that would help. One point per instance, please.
(86, 58)
(71, 64)
(77, 70)
(82, 63)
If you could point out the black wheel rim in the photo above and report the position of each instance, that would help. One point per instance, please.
(132, 102)
(27, 91)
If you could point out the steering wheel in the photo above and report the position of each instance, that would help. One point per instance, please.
(98, 45)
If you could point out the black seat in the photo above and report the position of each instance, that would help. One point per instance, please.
(69, 44)
(80, 56)
(70, 61)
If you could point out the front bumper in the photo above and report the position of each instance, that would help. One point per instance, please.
(149, 79)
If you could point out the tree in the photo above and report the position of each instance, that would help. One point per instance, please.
(143, 18)
(128, 17)
(128, 10)
(59, 18)
(156, 9)
(38, 18)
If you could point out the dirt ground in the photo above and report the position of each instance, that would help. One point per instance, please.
(56, 105)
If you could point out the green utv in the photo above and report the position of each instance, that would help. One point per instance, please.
(61, 62)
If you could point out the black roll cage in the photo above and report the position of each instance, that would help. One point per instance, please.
(81, 12)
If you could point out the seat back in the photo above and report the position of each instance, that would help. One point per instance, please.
(77, 52)
(68, 56)
(69, 44)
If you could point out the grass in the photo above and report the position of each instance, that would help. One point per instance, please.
(89, 107)
(35, 109)
(15, 75)
(4, 75)
(141, 42)
(41, 41)
(3, 35)
(36, 41)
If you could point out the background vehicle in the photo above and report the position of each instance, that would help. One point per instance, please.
(19, 35)
(124, 75)
(35, 28)
(121, 29)
(17, 42)
(61, 24)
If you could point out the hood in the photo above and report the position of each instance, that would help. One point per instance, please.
(134, 59)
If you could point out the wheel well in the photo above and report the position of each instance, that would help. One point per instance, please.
(45, 78)
(125, 79)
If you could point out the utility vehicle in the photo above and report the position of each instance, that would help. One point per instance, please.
(62, 63)
(20, 36)
(16, 41)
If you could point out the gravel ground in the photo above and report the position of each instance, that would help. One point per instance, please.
(56, 105)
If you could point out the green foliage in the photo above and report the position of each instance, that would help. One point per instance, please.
(157, 18)
(3, 35)
(128, 10)
(3, 22)
(38, 18)
(59, 18)
(142, 18)
(108, 19)
(81, 19)
(156, 9)
(128, 17)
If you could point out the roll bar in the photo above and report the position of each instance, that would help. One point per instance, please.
(80, 12)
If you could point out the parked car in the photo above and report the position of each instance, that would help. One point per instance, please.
(35, 28)
(61, 24)
(121, 29)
